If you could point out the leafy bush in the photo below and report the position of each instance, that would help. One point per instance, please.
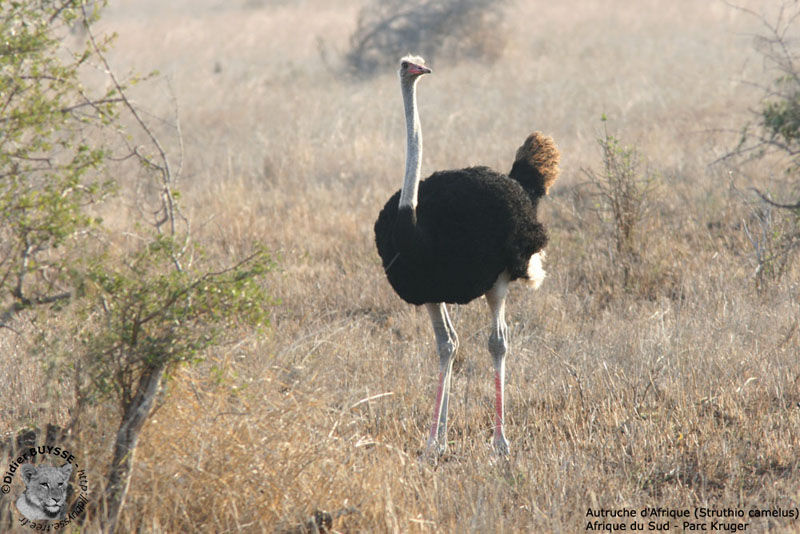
(49, 166)
(142, 312)
(456, 28)
(144, 315)
(143, 309)
(780, 116)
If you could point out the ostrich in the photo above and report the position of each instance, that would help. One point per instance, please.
(461, 234)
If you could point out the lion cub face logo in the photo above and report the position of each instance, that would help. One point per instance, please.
(45, 496)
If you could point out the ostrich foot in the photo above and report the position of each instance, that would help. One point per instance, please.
(500, 445)
(436, 447)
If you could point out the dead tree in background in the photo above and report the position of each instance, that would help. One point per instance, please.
(457, 29)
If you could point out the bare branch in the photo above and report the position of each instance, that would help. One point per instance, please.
(171, 212)
(771, 202)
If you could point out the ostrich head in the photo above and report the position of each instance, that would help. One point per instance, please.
(411, 67)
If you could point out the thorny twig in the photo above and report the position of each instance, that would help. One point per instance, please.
(170, 209)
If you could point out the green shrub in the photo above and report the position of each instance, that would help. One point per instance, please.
(141, 310)
(50, 167)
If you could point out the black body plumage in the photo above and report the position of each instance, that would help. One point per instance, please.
(470, 225)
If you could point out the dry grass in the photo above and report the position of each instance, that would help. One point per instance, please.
(679, 391)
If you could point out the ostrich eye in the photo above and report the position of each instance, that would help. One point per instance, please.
(404, 64)
(45, 484)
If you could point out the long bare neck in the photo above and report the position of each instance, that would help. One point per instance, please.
(408, 195)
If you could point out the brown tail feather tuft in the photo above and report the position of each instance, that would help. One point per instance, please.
(540, 152)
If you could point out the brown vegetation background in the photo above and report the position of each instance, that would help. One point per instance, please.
(676, 389)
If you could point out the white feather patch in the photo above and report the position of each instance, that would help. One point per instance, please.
(535, 269)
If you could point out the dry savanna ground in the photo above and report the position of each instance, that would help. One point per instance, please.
(674, 386)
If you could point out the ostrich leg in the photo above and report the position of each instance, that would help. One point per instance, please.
(498, 345)
(446, 345)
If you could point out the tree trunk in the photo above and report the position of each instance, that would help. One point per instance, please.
(136, 414)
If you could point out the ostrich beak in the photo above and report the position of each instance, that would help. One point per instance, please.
(418, 69)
